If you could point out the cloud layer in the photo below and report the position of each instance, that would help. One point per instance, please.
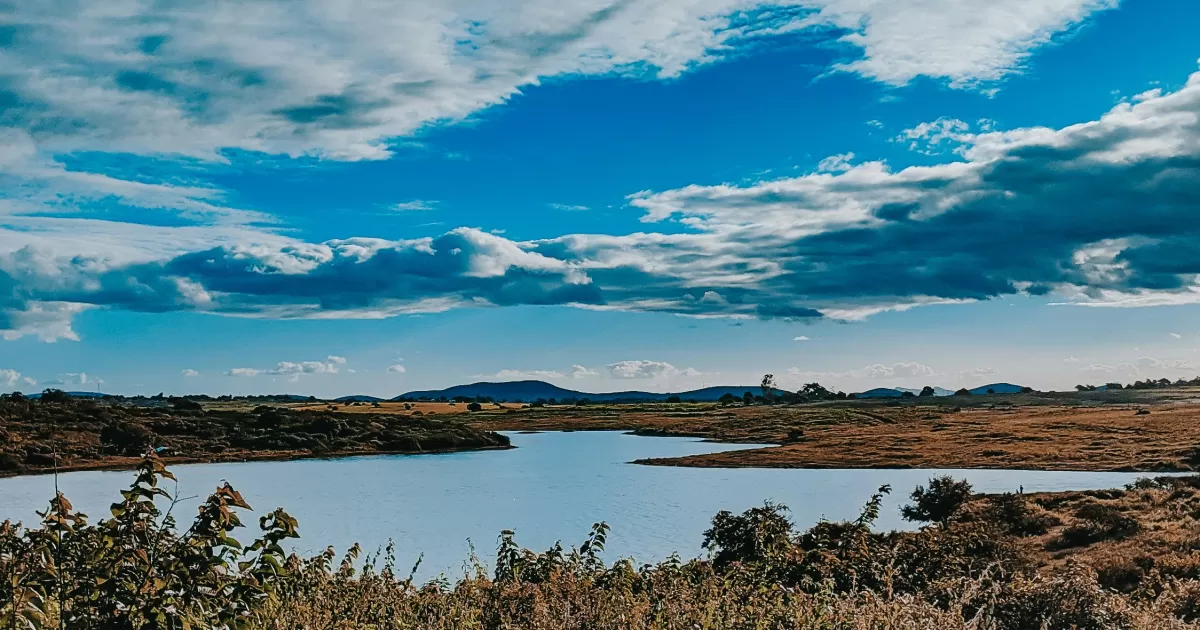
(340, 80)
(1101, 213)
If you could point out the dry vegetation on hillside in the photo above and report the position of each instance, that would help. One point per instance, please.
(92, 434)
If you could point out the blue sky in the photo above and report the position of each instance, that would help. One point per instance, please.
(354, 198)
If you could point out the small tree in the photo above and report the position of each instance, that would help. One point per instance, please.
(748, 399)
(474, 407)
(768, 388)
(940, 503)
(963, 392)
(673, 399)
(926, 392)
(727, 399)
(755, 535)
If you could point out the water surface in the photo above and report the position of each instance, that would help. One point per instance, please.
(552, 487)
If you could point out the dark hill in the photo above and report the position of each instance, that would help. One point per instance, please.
(529, 391)
(997, 388)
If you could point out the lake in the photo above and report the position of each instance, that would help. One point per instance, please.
(552, 487)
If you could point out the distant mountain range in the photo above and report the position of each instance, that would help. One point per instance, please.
(897, 392)
(529, 391)
(73, 395)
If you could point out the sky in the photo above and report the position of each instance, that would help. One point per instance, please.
(355, 197)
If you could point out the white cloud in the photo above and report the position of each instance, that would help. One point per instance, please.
(190, 372)
(839, 245)
(289, 368)
(293, 369)
(964, 42)
(579, 371)
(836, 163)
(8, 377)
(1177, 335)
(801, 338)
(397, 369)
(416, 204)
(932, 138)
(647, 369)
(340, 80)
(1071, 360)
(569, 207)
(243, 372)
(76, 379)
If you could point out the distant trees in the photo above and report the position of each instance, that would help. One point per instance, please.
(963, 392)
(727, 399)
(926, 392)
(816, 391)
(51, 396)
(908, 395)
(673, 399)
(748, 398)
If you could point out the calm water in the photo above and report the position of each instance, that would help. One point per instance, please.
(554, 486)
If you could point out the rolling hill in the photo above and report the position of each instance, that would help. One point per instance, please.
(529, 391)
(997, 388)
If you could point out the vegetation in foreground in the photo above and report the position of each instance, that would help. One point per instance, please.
(67, 433)
(996, 562)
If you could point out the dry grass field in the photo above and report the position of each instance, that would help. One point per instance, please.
(1124, 431)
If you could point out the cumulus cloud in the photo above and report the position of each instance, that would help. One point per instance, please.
(190, 372)
(9, 378)
(294, 369)
(800, 338)
(1004, 219)
(397, 369)
(647, 369)
(579, 371)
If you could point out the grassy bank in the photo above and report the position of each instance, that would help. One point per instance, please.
(1119, 559)
(1089, 431)
(73, 434)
